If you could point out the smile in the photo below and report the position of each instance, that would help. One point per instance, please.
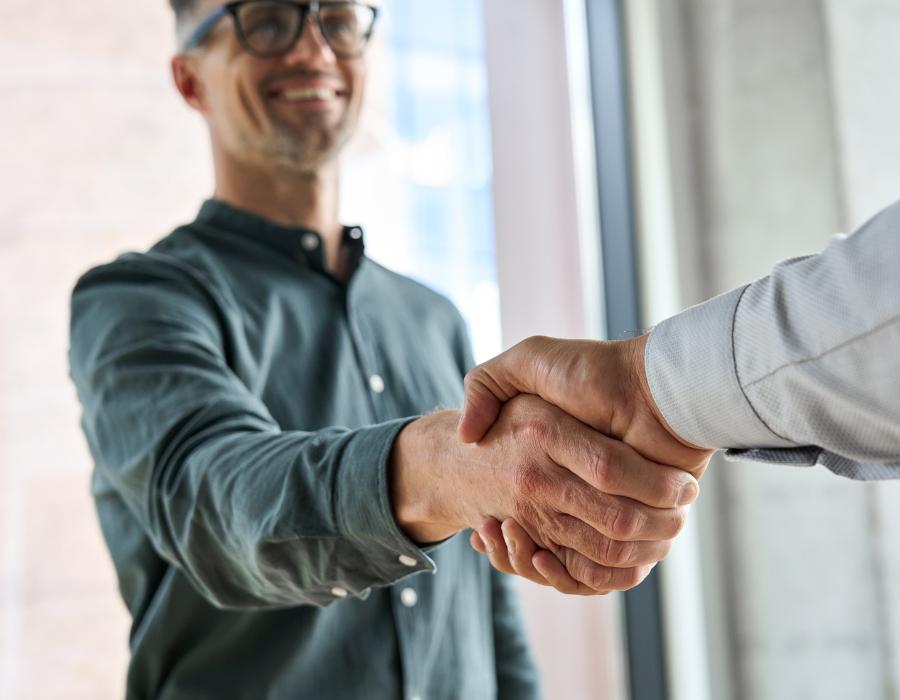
(308, 94)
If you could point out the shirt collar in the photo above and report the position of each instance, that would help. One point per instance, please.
(301, 244)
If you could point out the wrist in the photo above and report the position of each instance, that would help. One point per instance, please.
(420, 464)
(638, 372)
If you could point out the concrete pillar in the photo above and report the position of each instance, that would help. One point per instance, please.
(790, 140)
(864, 50)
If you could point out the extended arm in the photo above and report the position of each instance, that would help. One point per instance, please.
(257, 516)
(253, 515)
(800, 367)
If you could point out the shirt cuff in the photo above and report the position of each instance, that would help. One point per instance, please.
(691, 371)
(364, 511)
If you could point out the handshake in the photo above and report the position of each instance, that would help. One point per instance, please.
(560, 462)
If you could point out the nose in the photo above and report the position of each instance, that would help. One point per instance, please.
(310, 47)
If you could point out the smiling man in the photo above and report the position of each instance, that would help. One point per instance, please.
(252, 389)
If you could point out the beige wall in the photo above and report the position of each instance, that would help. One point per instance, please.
(96, 156)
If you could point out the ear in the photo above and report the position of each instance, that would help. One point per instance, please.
(188, 83)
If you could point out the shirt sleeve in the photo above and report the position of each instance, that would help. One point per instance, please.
(801, 367)
(255, 516)
(517, 675)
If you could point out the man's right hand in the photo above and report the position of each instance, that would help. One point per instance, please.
(572, 489)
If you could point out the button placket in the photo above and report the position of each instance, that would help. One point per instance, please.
(366, 357)
(310, 242)
(409, 597)
(376, 383)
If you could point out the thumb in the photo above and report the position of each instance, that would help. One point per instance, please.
(490, 385)
(482, 405)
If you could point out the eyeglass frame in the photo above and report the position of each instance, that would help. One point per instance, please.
(203, 30)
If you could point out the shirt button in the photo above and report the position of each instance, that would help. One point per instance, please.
(339, 592)
(376, 383)
(310, 241)
(407, 560)
(409, 597)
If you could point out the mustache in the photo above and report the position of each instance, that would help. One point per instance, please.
(303, 73)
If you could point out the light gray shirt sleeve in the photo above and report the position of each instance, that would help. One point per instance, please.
(801, 367)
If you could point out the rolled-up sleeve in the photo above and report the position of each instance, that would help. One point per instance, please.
(255, 516)
(801, 367)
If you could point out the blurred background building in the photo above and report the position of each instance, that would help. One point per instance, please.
(565, 167)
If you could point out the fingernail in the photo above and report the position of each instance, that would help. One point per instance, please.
(488, 544)
(688, 494)
(509, 544)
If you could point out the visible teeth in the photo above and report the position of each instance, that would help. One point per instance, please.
(310, 93)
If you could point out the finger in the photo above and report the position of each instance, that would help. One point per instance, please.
(520, 548)
(615, 468)
(617, 517)
(553, 570)
(477, 543)
(574, 534)
(496, 548)
(601, 578)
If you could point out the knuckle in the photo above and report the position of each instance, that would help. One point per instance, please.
(616, 552)
(625, 521)
(606, 471)
(597, 577)
(535, 429)
(531, 344)
(528, 481)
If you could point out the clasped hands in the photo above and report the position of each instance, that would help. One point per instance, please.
(559, 462)
(637, 458)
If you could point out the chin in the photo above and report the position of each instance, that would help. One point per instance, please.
(308, 151)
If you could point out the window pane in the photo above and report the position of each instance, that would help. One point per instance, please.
(424, 192)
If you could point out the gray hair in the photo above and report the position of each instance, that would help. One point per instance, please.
(185, 13)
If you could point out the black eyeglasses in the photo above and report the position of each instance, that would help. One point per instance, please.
(270, 28)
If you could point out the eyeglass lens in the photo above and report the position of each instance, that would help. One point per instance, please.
(271, 28)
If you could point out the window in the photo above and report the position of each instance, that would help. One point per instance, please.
(424, 191)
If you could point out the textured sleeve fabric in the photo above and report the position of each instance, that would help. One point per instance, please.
(254, 516)
(801, 367)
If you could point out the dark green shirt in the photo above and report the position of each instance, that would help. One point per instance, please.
(240, 405)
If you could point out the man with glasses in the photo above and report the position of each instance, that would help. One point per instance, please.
(251, 390)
